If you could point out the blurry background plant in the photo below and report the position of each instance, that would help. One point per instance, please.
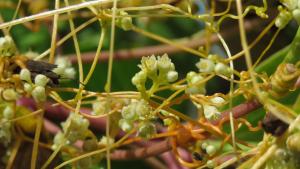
(97, 84)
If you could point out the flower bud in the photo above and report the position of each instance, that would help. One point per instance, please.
(9, 94)
(172, 76)
(107, 141)
(41, 80)
(8, 112)
(210, 150)
(296, 15)
(147, 130)
(28, 87)
(39, 94)
(222, 69)
(25, 75)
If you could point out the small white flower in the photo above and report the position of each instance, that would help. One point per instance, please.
(28, 87)
(211, 112)
(164, 63)
(125, 125)
(205, 65)
(210, 150)
(149, 65)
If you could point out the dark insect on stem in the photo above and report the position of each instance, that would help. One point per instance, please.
(273, 125)
(40, 67)
(197, 156)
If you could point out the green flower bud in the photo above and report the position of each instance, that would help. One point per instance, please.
(7, 46)
(172, 76)
(283, 18)
(9, 94)
(25, 75)
(41, 80)
(28, 87)
(8, 112)
(39, 94)
(222, 69)
(211, 164)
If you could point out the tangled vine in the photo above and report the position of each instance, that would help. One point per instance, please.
(92, 128)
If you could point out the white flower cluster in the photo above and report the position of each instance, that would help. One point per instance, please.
(5, 129)
(7, 47)
(139, 112)
(292, 10)
(160, 70)
(64, 68)
(211, 111)
(74, 128)
(36, 89)
(211, 65)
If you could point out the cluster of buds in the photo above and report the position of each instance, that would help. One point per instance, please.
(7, 47)
(5, 130)
(64, 68)
(291, 10)
(74, 128)
(212, 65)
(36, 89)
(195, 83)
(160, 70)
(124, 21)
(138, 112)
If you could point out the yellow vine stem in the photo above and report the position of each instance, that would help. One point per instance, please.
(23, 117)
(54, 34)
(230, 91)
(260, 162)
(37, 134)
(52, 156)
(13, 153)
(259, 37)
(246, 49)
(267, 48)
(107, 87)
(226, 10)
(97, 55)
(69, 35)
(53, 12)
(164, 40)
(118, 143)
(16, 13)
